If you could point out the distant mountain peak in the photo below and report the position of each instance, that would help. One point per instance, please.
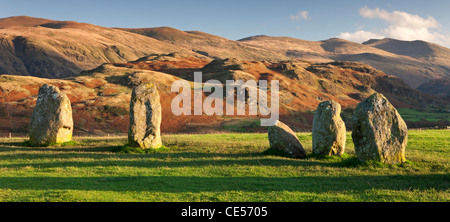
(337, 39)
(418, 49)
(22, 21)
(253, 37)
(370, 41)
(27, 21)
(50, 48)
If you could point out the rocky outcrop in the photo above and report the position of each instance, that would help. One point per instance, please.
(379, 132)
(51, 121)
(145, 117)
(222, 65)
(281, 137)
(328, 132)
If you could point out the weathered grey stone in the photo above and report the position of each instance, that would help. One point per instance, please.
(281, 137)
(379, 132)
(51, 121)
(145, 117)
(328, 132)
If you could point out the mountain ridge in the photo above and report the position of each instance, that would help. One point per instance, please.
(414, 70)
(58, 49)
(213, 46)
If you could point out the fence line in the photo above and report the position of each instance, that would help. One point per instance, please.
(25, 135)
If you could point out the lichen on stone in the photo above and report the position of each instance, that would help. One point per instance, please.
(328, 133)
(51, 121)
(145, 117)
(379, 132)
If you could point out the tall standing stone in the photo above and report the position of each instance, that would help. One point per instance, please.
(145, 117)
(379, 132)
(51, 121)
(281, 137)
(328, 132)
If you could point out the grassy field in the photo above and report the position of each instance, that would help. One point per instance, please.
(414, 115)
(218, 167)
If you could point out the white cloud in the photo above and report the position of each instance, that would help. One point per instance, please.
(300, 15)
(402, 25)
(359, 36)
(398, 18)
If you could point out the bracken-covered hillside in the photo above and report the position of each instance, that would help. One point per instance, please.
(100, 97)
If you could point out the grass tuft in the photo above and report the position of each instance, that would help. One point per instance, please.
(276, 152)
(327, 157)
(129, 149)
(351, 162)
(27, 143)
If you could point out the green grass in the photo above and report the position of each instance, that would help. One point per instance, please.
(68, 143)
(241, 126)
(415, 115)
(218, 167)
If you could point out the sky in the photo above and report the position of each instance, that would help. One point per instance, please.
(314, 20)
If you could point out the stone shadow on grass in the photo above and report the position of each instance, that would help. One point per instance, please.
(109, 156)
(176, 184)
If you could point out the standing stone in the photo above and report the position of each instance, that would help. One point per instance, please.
(51, 121)
(379, 132)
(281, 137)
(328, 133)
(145, 117)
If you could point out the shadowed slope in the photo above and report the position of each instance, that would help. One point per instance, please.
(208, 45)
(56, 49)
(100, 97)
(392, 57)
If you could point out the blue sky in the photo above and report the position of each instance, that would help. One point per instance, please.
(309, 20)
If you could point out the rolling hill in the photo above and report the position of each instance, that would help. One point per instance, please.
(414, 64)
(412, 68)
(213, 46)
(56, 49)
(100, 97)
(424, 51)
